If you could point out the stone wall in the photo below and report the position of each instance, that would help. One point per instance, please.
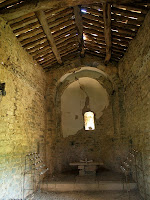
(102, 144)
(134, 71)
(22, 113)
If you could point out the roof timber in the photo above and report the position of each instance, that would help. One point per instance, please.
(79, 25)
(61, 33)
(65, 39)
(29, 34)
(42, 18)
(24, 22)
(41, 52)
(5, 3)
(27, 28)
(36, 5)
(61, 26)
(37, 47)
(35, 42)
(45, 56)
(32, 39)
(57, 21)
(107, 30)
(64, 27)
(93, 18)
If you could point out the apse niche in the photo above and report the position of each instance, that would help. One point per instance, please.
(74, 100)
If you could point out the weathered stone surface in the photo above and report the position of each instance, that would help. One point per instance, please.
(22, 112)
(134, 70)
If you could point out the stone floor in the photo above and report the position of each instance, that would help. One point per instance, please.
(102, 175)
(70, 181)
(105, 195)
(61, 182)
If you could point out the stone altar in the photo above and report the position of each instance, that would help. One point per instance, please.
(87, 167)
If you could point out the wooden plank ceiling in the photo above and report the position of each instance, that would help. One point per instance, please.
(54, 35)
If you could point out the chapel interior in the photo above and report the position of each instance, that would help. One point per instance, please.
(75, 99)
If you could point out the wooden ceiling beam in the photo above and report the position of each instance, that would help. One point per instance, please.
(42, 19)
(73, 49)
(59, 15)
(29, 34)
(40, 52)
(94, 32)
(32, 39)
(92, 22)
(24, 17)
(58, 21)
(61, 33)
(94, 26)
(100, 46)
(93, 18)
(62, 26)
(37, 47)
(46, 57)
(90, 37)
(24, 22)
(48, 62)
(34, 43)
(93, 12)
(4, 4)
(51, 12)
(70, 49)
(107, 30)
(27, 28)
(35, 5)
(124, 19)
(135, 8)
(79, 25)
(128, 13)
(91, 52)
(65, 43)
(65, 39)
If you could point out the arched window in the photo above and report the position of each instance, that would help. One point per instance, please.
(89, 121)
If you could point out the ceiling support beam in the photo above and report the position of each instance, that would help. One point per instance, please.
(107, 30)
(42, 19)
(35, 5)
(79, 25)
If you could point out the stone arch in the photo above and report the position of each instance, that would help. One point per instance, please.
(72, 76)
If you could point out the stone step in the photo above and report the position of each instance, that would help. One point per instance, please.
(97, 186)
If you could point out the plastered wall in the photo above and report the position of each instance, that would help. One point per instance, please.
(22, 113)
(85, 94)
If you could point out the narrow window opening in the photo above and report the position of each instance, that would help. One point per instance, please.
(89, 121)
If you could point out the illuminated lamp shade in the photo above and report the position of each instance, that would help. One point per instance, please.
(89, 121)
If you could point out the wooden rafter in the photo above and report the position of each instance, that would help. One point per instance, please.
(35, 5)
(42, 19)
(79, 25)
(107, 30)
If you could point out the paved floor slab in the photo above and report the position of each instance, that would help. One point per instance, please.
(106, 195)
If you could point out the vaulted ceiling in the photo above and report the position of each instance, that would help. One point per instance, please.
(54, 31)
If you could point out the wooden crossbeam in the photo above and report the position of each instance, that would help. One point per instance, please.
(42, 19)
(35, 5)
(107, 30)
(79, 25)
